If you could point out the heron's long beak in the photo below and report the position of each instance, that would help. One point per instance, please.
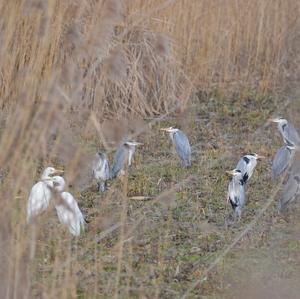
(164, 129)
(231, 172)
(274, 120)
(59, 171)
(260, 157)
(134, 143)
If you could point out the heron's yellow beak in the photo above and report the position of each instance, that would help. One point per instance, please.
(231, 172)
(164, 129)
(274, 120)
(59, 171)
(260, 157)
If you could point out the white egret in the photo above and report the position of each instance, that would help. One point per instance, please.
(67, 209)
(40, 194)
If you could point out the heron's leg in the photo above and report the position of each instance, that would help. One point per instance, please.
(229, 220)
(101, 186)
(122, 172)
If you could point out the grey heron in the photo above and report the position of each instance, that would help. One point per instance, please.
(290, 192)
(287, 130)
(100, 168)
(282, 160)
(181, 144)
(40, 194)
(67, 209)
(236, 192)
(124, 153)
(247, 164)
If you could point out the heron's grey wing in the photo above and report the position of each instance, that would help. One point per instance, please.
(242, 197)
(231, 195)
(106, 169)
(183, 148)
(242, 166)
(290, 191)
(295, 166)
(280, 162)
(291, 135)
(119, 160)
(95, 164)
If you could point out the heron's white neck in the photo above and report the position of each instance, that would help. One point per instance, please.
(131, 151)
(47, 179)
(45, 175)
(171, 134)
(237, 179)
(281, 124)
(60, 187)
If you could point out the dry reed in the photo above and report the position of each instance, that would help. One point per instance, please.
(71, 68)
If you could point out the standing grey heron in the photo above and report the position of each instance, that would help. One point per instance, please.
(287, 130)
(100, 168)
(67, 209)
(290, 192)
(236, 192)
(181, 144)
(282, 160)
(124, 153)
(247, 164)
(40, 194)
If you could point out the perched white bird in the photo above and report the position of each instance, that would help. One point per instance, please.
(236, 192)
(101, 170)
(247, 164)
(67, 209)
(40, 194)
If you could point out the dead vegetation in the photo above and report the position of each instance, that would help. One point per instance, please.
(76, 76)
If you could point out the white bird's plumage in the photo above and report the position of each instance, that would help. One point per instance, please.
(67, 210)
(101, 170)
(40, 194)
(236, 192)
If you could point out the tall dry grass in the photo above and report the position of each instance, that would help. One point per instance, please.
(69, 66)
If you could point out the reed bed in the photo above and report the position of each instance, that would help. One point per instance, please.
(76, 76)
